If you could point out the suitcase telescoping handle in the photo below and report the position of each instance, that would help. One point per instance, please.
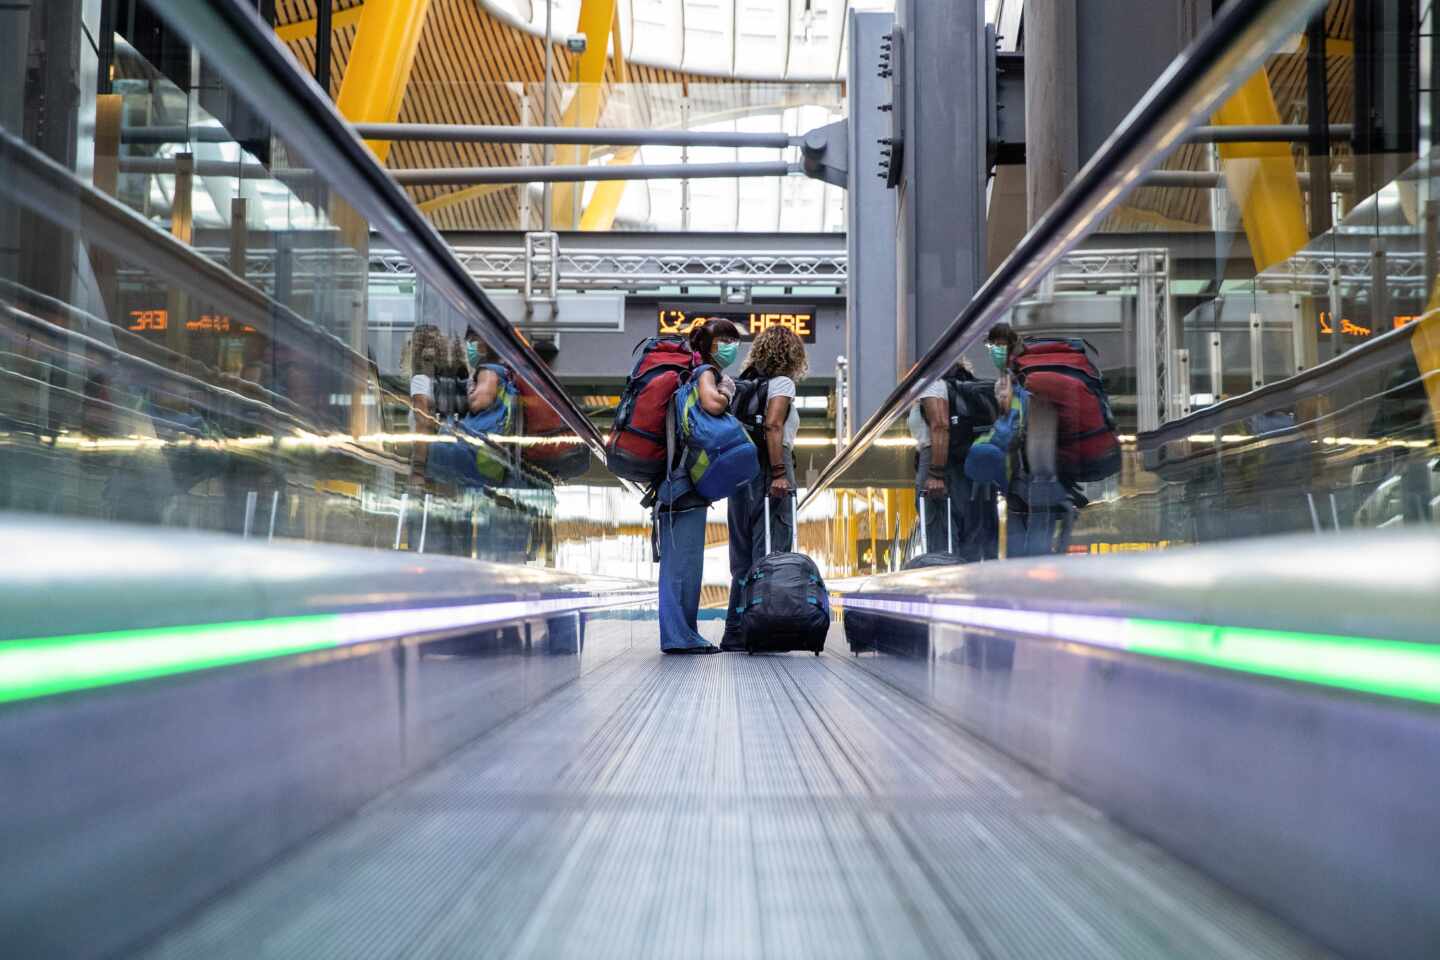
(793, 527)
(925, 527)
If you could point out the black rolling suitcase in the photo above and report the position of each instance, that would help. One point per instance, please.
(936, 559)
(784, 603)
(861, 627)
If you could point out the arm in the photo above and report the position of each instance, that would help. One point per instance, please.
(937, 418)
(776, 412)
(483, 390)
(711, 399)
(424, 423)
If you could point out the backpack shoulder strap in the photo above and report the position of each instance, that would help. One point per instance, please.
(501, 371)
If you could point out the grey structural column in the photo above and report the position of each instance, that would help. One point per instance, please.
(940, 228)
(1052, 137)
(870, 227)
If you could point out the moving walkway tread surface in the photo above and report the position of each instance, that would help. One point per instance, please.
(729, 806)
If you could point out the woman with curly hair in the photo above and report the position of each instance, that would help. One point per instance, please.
(777, 359)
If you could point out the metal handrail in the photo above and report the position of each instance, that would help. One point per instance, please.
(1375, 354)
(237, 42)
(1190, 90)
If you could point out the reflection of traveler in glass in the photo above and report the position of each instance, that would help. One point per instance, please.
(777, 360)
(483, 390)
(1040, 505)
(429, 357)
(680, 526)
(971, 531)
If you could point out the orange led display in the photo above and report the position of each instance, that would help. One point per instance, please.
(141, 320)
(674, 319)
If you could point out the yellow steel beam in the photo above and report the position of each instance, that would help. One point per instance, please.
(447, 200)
(380, 63)
(1425, 344)
(605, 201)
(1334, 46)
(1262, 178)
(300, 29)
(596, 19)
(617, 38)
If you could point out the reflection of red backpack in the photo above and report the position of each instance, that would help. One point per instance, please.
(1062, 373)
(637, 439)
(565, 459)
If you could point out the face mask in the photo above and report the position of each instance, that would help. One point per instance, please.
(998, 356)
(472, 352)
(725, 354)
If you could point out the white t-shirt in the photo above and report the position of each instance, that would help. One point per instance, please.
(420, 386)
(919, 426)
(785, 387)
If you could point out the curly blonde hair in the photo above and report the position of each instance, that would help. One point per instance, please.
(427, 338)
(778, 352)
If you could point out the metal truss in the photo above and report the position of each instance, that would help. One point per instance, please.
(502, 268)
(1403, 273)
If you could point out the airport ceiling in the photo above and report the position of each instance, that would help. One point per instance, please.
(482, 62)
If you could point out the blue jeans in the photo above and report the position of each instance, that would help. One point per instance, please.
(1039, 524)
(973, 532)
(682, 560)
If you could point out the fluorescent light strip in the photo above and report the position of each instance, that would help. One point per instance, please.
(42, 666)
(1390, 668)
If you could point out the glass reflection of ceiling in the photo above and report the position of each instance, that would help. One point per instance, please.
(744, 39)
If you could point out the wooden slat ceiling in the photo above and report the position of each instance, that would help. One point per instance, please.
(470, 68)
(1182, 209)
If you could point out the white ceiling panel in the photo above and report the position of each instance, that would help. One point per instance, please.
(747, 39)
(657, 32)
(709, 35)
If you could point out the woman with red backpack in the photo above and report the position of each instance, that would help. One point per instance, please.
(1067, 437)
(680, 524)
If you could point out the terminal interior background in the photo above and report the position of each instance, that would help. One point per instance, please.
(204, 328)
(137, 396)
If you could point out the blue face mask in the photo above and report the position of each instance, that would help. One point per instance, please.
(725, 353)
(998, 355)
(472, 353)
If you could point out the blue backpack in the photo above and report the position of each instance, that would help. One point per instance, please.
(715, 454)
(499, 417)
(988, 461)
(466, 463)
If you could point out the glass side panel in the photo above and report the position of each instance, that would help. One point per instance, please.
(1262, 310)
(191, 333)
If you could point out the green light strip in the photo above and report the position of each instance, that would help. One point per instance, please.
(1390, 668)
(49, 665)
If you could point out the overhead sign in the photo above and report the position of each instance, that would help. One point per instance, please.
(1355, 329)
(751, 318)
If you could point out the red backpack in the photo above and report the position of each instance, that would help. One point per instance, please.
(636, 448)
(1062, 373)
(566, 457)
